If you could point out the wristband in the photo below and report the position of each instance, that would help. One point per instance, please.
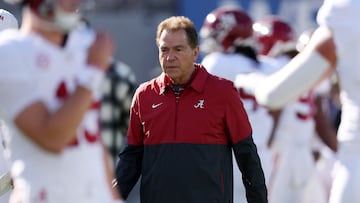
(119, 201)
(90, 78)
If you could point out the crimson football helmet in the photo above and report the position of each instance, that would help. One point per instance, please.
(225, 28)
(273, 36)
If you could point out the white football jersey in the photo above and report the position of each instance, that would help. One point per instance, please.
(34, 70)
(341, 16)
(294, 166)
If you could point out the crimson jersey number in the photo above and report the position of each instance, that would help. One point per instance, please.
(307, 100)
(62, 94)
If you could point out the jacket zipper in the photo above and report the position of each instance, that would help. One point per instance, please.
(177, 99)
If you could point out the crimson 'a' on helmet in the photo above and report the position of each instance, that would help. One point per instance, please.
(224, 28)
(273, 34)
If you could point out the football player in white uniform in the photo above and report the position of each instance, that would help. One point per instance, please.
(334, 45)
(8, 21)
(326, 114)
(294, 166)
(226, 39)
(51, 70)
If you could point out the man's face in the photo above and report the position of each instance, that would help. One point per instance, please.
(176, 56)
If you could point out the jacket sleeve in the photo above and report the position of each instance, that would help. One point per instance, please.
(252, 174)
(128, 169)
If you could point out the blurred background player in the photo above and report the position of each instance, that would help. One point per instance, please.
(227, 42)
(118, 89)
(294, 166)
(327, 118)
(50, 101)
(7, 21)
(333, 46)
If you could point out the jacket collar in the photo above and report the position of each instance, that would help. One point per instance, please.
(197, 82)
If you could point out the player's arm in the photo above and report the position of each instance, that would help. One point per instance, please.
(55, 130)
(303, 72)
(323, 127)
(249, 164)
(128, 169)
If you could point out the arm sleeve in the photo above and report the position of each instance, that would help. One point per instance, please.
(237, 121)
(252, 174)
(128, 169)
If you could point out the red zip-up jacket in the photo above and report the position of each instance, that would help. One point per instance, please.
(181, 145)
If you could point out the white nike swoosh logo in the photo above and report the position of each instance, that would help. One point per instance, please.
(156, 105)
